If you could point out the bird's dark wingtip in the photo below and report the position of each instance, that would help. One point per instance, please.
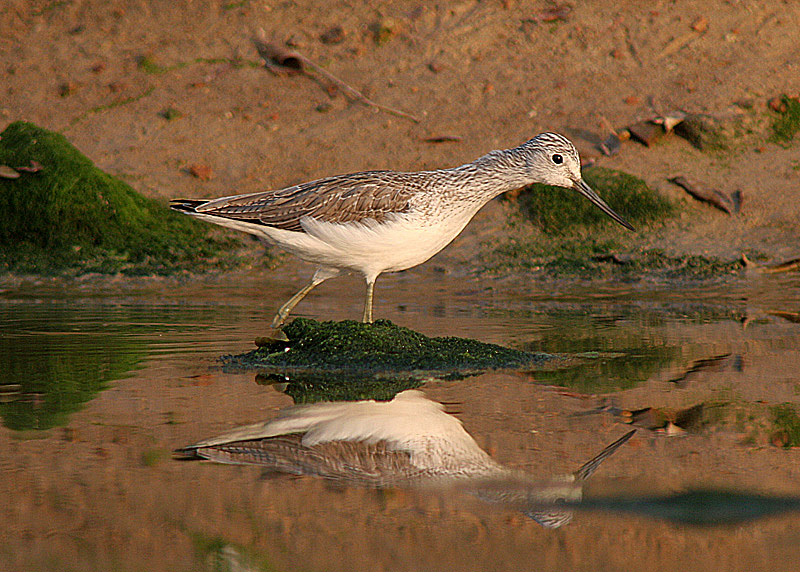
(186, 205)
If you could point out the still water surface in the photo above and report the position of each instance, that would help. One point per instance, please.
(102, 381)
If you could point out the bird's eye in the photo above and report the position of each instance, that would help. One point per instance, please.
(557, 159)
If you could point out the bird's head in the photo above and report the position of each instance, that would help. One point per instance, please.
(553, 160)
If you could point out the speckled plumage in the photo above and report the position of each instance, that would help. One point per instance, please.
(385, 221)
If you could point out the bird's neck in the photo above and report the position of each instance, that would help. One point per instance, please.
(494, 174)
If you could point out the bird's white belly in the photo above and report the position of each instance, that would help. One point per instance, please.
(393, 245)
(400, 242)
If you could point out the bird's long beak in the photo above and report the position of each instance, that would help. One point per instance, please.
(587, 192)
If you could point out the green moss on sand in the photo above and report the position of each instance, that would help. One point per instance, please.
(596, 258)
(350, 346)
(71, 216)
(561, 211)
(786, 124)
(786, 424)
(570, 237)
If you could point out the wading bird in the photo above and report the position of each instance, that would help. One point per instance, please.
(384, 221)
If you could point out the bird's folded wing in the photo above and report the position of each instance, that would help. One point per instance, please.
(340, 199)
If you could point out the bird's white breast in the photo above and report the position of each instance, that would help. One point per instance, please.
(400, 241)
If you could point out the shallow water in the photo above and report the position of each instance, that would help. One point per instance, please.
(102, 379)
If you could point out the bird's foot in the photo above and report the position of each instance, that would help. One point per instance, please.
(274, 335)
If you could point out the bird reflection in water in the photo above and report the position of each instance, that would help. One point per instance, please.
(408, 441)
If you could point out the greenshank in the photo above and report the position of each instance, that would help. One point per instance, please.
(385, 221)
(409, 441)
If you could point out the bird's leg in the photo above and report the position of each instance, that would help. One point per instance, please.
(319, 277)
(368, 303)
(283, 313)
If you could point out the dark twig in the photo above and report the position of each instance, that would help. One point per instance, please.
(292, 61)
(728, 204)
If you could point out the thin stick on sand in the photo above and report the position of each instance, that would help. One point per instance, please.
(282, 60)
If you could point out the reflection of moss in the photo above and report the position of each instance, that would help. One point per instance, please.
(219, 555)
(786, 422)
(337, 386)
(786, 124)
(623, 360)
(622, 370)
(381, 346)
(59, 356)
(153, 457)
(59, 376)
(607, 347)
(71, 215)
(559, 211)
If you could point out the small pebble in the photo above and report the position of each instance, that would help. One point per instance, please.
(777, 105)
(645, 132)
(334, 35)
(201, 171)
(7, 172)
(67, 88)
(700, 25)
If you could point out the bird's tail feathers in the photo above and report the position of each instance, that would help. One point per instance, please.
(186, 205)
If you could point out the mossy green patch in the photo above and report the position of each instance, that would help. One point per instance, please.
(561, 211)
(786, 124)
(72, 217)
(148, 65)
(170, 113)
(592, 258)
(786, 423)
(43, 393)
(562, 234)
(355, 347)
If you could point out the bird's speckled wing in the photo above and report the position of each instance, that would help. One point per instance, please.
(339, 199)
(375, 464)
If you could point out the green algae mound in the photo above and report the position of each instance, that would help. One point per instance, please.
(560, 234)
(560, 211)
(786, 425)
(786, 122)
(69, 216)
(353, 347)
